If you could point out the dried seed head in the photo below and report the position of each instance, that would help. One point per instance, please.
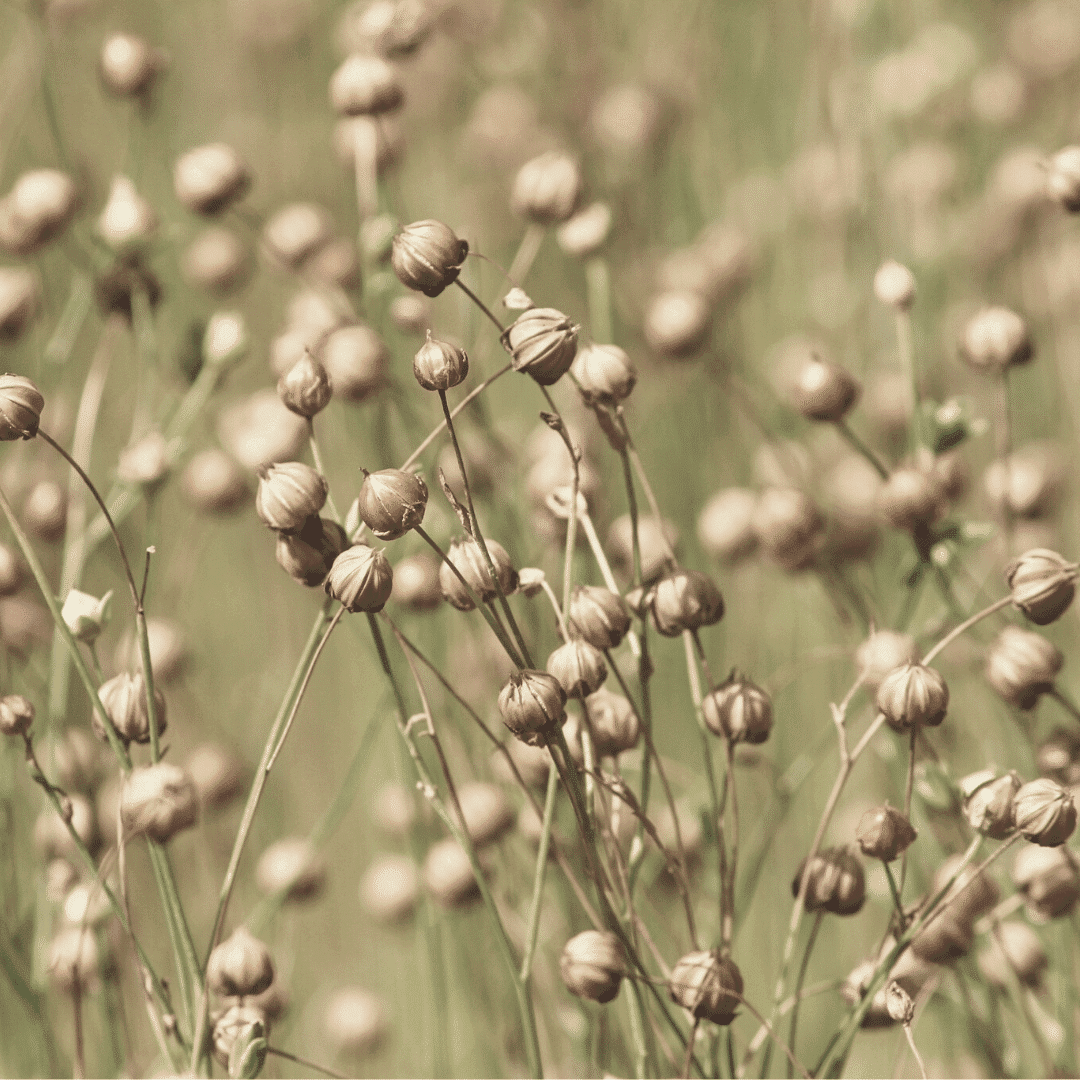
(296, 232)
(438, 365)
(218, 773)
(448, 874)
(824, 391)
(20, 408)
(989, 802)
(1045, 812)
(913, 696)
(898, 1003)
(1059, 757)
(216, 261)
(124, 700)
(598, 616)
(144, 462)
(73, 959)
(884, 833)
(655, 540)
(305, 388)
(288, 495)
(547, 189)
(789, 527)
(615, 725)
(392, 502)
(390, 888)
(836, 882)
(85, 616)
(725, 526)
(975, 893)
(240, 966)
(486, 812)
(1013, 945)
(532, 704)
(881, 653)
(293, 867)
(738, 710)
(685, 600)
(1049, 879)
(894, 285)
(909, 972)
(427, 256)
(129, 65)
(361, 579)
(239, 1039)
(356, 1020)
(259, 430)
(416, 582)
(1063, 178)
(994, 339)
(677, 323)
(206, 180)
(1043, 584)
(910, 498)
(365, 86)
(357, 361)
(1028, 482)
(127, 217)
(20, 300)
(308, 556)
(945, 938)
(604, 373)
(159, 800)
(542, 343)
(39, 207)
(16, 715)
(708, 984)
(213, 482)
(1022, 666)
(579, 667)
(469, 559)
(51, 836)
(592, 965)
(585, 233)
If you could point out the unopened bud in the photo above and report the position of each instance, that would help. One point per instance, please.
(213, 483)
(427, 256)
(20, 300)
(894, 285)
(356, 359)
(725, 526)
(994, 339)
(547, 189)
(586, 232)
(361, 579)
(592, 965)
(127, 217)
(308, 556)
(910, 499)
(1022, 666)
(448, 875)
(486, 812)
(296, 232)
(1049, 879)
(1013, 945)
(16, 715)
(84, 615)
(1063, 178)
(129, 65)
(392, 502)
(789, 527)
(579, 667)
(913, 696)
(288, 495)
(989, 802)
(469, 559)
(708, 984)
(738, 710)
(365, 86)
(215, 260)
(542, 342)
(532, 705)
(206, 180)
(615, 724)
(240, 966)
(604, 373)
(677, 323)
(159, 800)
(124, 699)
(305, 388)
(884, 833)
(20, 408)
(291, 867)
(1045, 812)
(836, 882)
(438, 365)
(686, 600)
(1043, 584)
(598, 616)
(824, 391)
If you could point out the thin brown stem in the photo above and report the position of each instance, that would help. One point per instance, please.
(479, 303)
(966, 625)
(305, 1062)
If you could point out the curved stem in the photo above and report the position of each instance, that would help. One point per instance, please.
(533, 927)
(305, 1062)
(526, 254)
(801, 978)
(966, 625)
(316, 457)
(479, 303)
(861, 448)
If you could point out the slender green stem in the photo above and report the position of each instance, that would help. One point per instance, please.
(966, 625)
(861, 448)
(894, 891)
(320, 468)
(479, 303)
(800, 979)
(526, 254)
(572, 509)
(915, 1051)
(303, 1061)
(533, 927)
(598, 295)
(906, 349)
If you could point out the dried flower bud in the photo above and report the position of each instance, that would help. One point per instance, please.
(909, 499)
(390, 887)
(1049, 879)
(789, 527)
(39, 207)
(579, 667)
(20, 300)
(356, 359)
(361, 579)
(542, 342)
(129, 65)
(438, 365)
(1045, 812)
(73, 959)
(427, 256)
(913, 696)
(894, 285)
(124, 699)
(240, 966)
(1013, 945)
(614, 722)
(84, 615)
(16, 715)
(725, 526)
(708, 984)
(305, 388)
(291, 866)
(20, 408)
(547, 189)
(365, 86)
(239, 1039)
(884, 833)
(288, 495)
(469, 559)
(685, 600)
(1043, 584)
(598, 616)
(308, 556)
(532, 705)
(881, 653)
(206, 180)
(989, 802)
(1063, 178)
(213, 483)
(296, 232)
(144, 462)
(218, 773)
(994, 339)
(486, 811)
(836, 882)
(947, 936)
(356, 1020)
(1022, 666)
(584, 234)
(392, 502)
(604, 373)
(592, 965)
(159, 800)
(738, 710)
(216, 261)
(127, 217)
(898, 1003)
(448, 875)
(824, 391)
(677, 323)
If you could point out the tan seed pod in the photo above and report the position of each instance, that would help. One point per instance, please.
(1063, 178)
(218, 773)
(39, 207)
(239, 1038)
(994, 339)
(836, 883)
(677, 324)
(1043, 584)
(336, 264)
(946, 937)
(293, 867)
(365, 86)
(361, 579)
(145, 462)
(159, 800)
(127, 218)
(615, 725)
(604, 373)
(392, 502)
(390, 888)
(356, 1021)
(1049, 879)
(74, 960)
(124, 699)
(169, 652)
(410, 314)
(708, 984)
(239, 966)
(1059, 757)
(585, 233)
(308, 556)
(207, 179)
(45, 511)
(20, 300)
(486, 812)
(579, 668)
(213, 483)
(129, 65)
(533, 705)
(1028, 483)
(789, 528)
(655, 540)
(1013, 947)
(448, 874)
(416, 582)
(547, 188)
(725, 526)
(685, 600)
(288, 495)
(468, 557)
(913, 696)
(542, 343)
(824, 391)
(738, 710)
(626, 119)
(883, 652)
(1021, 666)
(81, 761)
(24, 625)
(533, 763)
(427, 256)
(884, 833)
(295, 233)
(971, 896)
(216, 260)
(357, 361)
(305, 388)
(989, 802)
(1045, 812)
(16, 714)
(598, 616)
(394, 810)
(898, 1003)
(910, 499)
(259, 430)
(894, 285)
(592, 965)
(438, 365)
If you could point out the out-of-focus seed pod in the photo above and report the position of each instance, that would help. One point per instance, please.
(532, 704)
(74, 959)
(1045, 812)
(239, 1037)
(598, 616)
(410, 314)
(910, 499)
(365, 86)
(392, 502)
(725, 526)
(20, 408)
(129, 275)
(259, 430)
(296, 232)
(836, 882)
(884, 833)
(1063, 178)
(685, 600)
(386, 27)
(913, 696)
(486, 811)
(585, 233)
(547, 188)
(1043, 584)
(625, 120)
(168, 650)
(129, 65)
(353, 132)
(945, 938)
(39, 207)
(717, 265)
(1028, 483)
(24, 625)
(293, 867)
(356, 359)
(86, 905)
(51, 836)
(216, 260)
(159, 800)
(207, 179)
(218, 773)
(336, 264)
(655, 540)
(20, 300)
(427, 256)
(124, 700)
(390, 888)
(416, 582)
(16, 715)
(542, 342)
(469, 559)
(824, 391)
(592, 965)
(448, 874)
(677, 324)
(1013, 947)
(972, 895)
(145, 462)
(1059, 757)
(789, 528)
(533, 763)
(615, 725)
(213, 483)
(240, 966)
(881, 653)
(909, 972)
(438, 365)
(1022, 666)
(361, 579)
(894, 285)
(579, 667)
(288, 495)
(708, 984)
(356, 1021)
(994, 339)
(127, 217)
(81, 761)
(84, 615)
(1049, 879)
(394, 810)
(604, 373)
(226, 343)
(305, 388)
(308, 556)
(690, 829)
(12, 571)
(989, 802)
(738, 710)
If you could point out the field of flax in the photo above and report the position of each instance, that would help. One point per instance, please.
(538, 538)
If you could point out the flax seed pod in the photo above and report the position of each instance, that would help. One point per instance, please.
(738, 710)
(390, 888)
(883, 652)
(218, 773)
(598, 616)
(913, 696)
(677, 324)
(685, 600)
(972, 895)
(542, 343)
(216, 260)
(468, 557)
(129, 65)
(547, 188)
(1022, 666)
(356, 1021)
(910, 499)
(213, 483)
(1049, 880)
(124, 700)
(894, 285)
(169, 651)
(159, 800)
(336, 265)
(989, 802)
(240, 966)
(308, 556)
(448, 874)
(579, 668)
(145, 462)
(533, 763)
(288, 495)
(127, 219)
(1013, 945)
(884, 833)
(592, 965)
(486, 812)
(655, 540)
(291, 866)
(585, 233)
(20, 408)
(615, 725)
(995, 339)
(1043, 584)
(1063, 178)
(305, 388)
(427, 256)
(361, 579)
(416, 582)
(392, 502)
(708, 984)
(945, 938)
(357, 361)
(1045, 812)
(824, 391)
(295, 233)
(39, 207)
(410, 314)
(836, 883)
(725, 526)
(1028, 483)
(533, 706)
(365, 86)
(209, 178)
(259, 430)
(789, 528)
(20, 300)
(438, 365)
(1059, 757)
(604, 373)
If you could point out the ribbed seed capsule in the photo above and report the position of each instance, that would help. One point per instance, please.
(240, 966)
(913, 696)
(438, 365)
(159, 800)
(427, 256)
(685, 600)
(604, 373)
(598, 616)
(1043, 584)
(547, 188)
(391, 502)
(708, 984)
(989, 802)
(289, 494)
(542, 343)
(124, 699)
(1049, 879)
(469, 559)
(532, 704)
(21, 403)
(361, 579)
(365, 86)
(738, 710)
(884, 833)
(308, 556)
(836, 882)
(579, 667)
(592, 965)
(1045, 812)
(1022, 666)
(305, 388)
(615, 725)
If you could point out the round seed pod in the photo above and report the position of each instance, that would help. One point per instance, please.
(738, 710)
(336, 264)
(124, 699)
(20, 300)
(394, 810)
(579, 667)
(16, 714)
(1063, 178)
(532, 704)
(259, 430)
(533, 763)
(213, 483)
(296, 232)
(127, 218)
(74, 960)
(989, 802)
(81, 761)
(392, 502)
(685, 600)
(216, 260)
(836, 883)
(39, 207)
(293, 867)
(789, 528)
(604, 373)
(1013, 945)
(390, 888)
(218, 773)
(592, 965)
(1059, 757)
(1049, 879)
(883, 652)
(708, 984)
(288, 495)
(20, 408)
(24, 625)
(386, 27)
(542, 343)
(305, 388)
(129, 65)
(208, 179)
(159, 800)
(598, 616)
(168, 650)
(909, 972)
(416, 582)
(615, 725)
(894, 285)
(410, 314)
(469, 559)
(240, 966)
(975, 893)
(910, 499)
(12, 571)
(356, 1021)
(913, 696)
(655, 539)
(585, 233)
(144, 462)
(1043, 584)
(365, 86)
(994, 339)
(226, 341)
(239, 1038)
(86, 905)
(824, 391)
(448, 874)
(945, 938)
(898, 1003)
(361, 579)
(308, 556)
(1045, 812)
(884, 833)
(677, 324)
(357, 361)
(1028, 483)
(1021, 666)
(438, 365)
(486, 811)
(427, 256)
(51, 836)
(547, 188)
(725, 526)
